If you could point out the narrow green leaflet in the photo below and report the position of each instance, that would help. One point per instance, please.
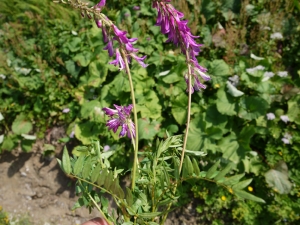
(78, 165)
(242, 184)
(222, 174)
(246, 195)
(96, 173)
(211, 172)
(87, 168)
(149, 215)
(66, 163)
(196, 167)
(233, 180)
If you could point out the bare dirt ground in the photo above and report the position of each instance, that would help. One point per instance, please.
(35, 186)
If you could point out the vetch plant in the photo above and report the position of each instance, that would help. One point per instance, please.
(157, 177)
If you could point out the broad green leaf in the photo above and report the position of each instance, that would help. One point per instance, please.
(245, 136)
(225, 104)
(78, 165)
(211, 172)
(83, 58)
(1, 138)
(214, 133)
(219, 68)
(242, 184)
(172, 78)
(294, 109)
(98, 70)
(246, 195)
(147, 129)
(179, 108)
(196, 136)
(74, 44)
(21, 125)
(66, 163)
(72, 68)
(278, 179)
(88, 108)
(252, 107)
(86, 131)
(208, 9)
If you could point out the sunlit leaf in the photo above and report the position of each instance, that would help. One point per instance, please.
(66, 163)
(211, 172)
(278, 179)
(246, 195)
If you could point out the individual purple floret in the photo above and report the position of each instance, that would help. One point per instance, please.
(169, 19)
(120, 117)
(112, 33)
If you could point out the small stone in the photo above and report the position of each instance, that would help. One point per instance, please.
(23, 174)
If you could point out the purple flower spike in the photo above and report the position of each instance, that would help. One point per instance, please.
(120, 117)
(111, 34)
(170, 21)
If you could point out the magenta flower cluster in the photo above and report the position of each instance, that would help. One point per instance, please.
(171, 23)
(120, 117)
(110, 34)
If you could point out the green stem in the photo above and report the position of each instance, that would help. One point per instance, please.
(99, 209)
(188, 119)
(186, 131)
(135, 146)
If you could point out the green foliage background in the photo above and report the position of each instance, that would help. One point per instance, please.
(52, 60)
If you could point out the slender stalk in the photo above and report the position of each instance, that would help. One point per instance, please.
(136, 147)
(188, 119)
(99, 209)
